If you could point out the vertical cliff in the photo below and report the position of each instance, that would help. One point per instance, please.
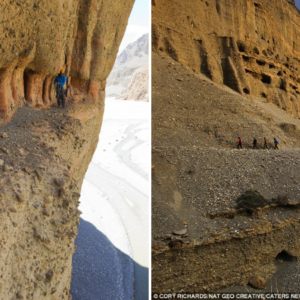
(253, 47)
(44, 151)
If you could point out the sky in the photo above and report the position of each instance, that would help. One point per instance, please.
(140, 13)
(297, 3)
(138, 23)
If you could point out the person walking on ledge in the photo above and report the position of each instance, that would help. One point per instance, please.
(254, 144)
(276, 144)
(240, 143)
(60, 81)
(266, 143)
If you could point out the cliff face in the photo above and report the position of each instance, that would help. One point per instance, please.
(251, 46)
(203, 99)
(38, 39)
(44, 151)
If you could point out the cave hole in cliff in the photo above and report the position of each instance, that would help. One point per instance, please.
(264, 95)
(266, 79)
(260, 62)
(44, 90)
(246, 58)
(255, 50)
(241, 46)
(279, 73)
(271, 66)
(257, 5)
(283, 85)
(285, 256)
(246, 91)
(26, 75)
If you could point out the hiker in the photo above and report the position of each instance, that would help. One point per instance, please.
(266, 143)
(254, 144)
(276, 144)
(240, 143)
(60, 81)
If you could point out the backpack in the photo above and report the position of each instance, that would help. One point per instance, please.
(276, 142)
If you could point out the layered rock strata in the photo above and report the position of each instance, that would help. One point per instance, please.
(45, 152)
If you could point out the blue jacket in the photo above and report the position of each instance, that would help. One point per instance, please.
(60, 79)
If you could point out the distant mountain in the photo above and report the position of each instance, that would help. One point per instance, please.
(127, 69)
(138, 88)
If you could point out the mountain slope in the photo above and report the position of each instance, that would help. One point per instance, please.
(134, 56)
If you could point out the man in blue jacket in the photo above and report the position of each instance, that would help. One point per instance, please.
(60, 81)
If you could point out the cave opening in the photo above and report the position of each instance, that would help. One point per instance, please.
(246, 91)
(285, 256)
(25, 81)
(255, 50)
(241, 46)
(26, 78)
(266, 79)
(283, 85)
(264, 95)
(260, 62)
(245, 58)
(44, 90)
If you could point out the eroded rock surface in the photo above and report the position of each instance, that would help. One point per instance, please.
(39, 39)
(253, 47)
(45, 151)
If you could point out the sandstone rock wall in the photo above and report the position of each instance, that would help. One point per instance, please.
(252, 46)
(41, 37)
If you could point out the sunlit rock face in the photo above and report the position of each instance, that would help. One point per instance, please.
(38, 38)
(253, 47)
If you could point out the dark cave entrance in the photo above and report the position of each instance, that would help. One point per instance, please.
(26, 77)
